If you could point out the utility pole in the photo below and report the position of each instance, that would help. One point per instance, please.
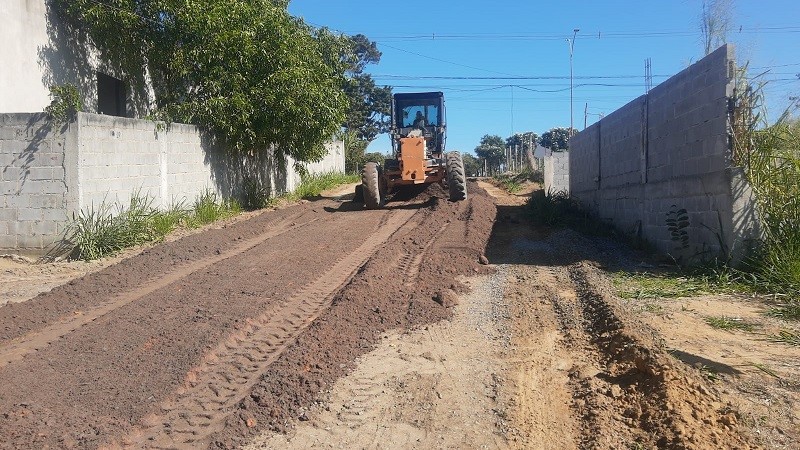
(571, 48)
(531, 151)
(585, 114)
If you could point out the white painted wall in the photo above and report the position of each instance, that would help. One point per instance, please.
(38, 52)
(48, 174)
(23, 34)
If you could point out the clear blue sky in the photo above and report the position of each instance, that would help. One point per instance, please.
(424, 41)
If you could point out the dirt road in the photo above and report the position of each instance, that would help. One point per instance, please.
(323, 326)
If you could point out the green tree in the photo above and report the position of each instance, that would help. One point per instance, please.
(524, 143)
(248, 71)
(492, 149)
(556, 139)
(472, 166)
(354, 149)
(369, 108)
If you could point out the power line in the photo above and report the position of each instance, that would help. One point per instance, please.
(599, 34)
(533, 77)
(432, 58)
(444, 60)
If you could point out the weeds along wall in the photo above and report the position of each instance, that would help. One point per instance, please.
(660, 166)
(49, 172)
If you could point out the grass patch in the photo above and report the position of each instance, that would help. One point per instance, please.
(209, 208)
(786, 337)
(729, 323)
(507, 182)
(512, 182)
(786, 312)
(766, 370)
(108, 229)
(312, 186)
(646, 285)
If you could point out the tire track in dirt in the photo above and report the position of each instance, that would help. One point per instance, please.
(625, 390)
(538, 388)
(411, 261)
(425, 388)
(364, 390)
(19, 347)
(375, 301)
(230, 370)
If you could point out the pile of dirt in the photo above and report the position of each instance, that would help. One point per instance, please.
(662, 402)
(397, 289)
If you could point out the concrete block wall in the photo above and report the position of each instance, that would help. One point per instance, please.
(48, 173)
(670, 150)
(556, 172)
(186, 171)
(118, 157)
(33, 181)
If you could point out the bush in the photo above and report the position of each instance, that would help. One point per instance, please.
(96, 233)
(773, 169)
(312, 185)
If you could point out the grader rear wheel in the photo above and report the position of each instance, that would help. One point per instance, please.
(456, 177)
(370, 180)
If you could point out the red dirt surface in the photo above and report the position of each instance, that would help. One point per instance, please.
(203, 341)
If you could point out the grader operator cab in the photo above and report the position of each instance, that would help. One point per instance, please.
(418, 133)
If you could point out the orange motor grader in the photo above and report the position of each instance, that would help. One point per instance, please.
(418, 133)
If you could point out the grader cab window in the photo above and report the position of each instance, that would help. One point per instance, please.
(411, 114)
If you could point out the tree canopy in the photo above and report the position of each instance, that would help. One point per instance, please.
(523, 141)
(368, 114)
(472, 166)
(556, 139)
(369, 106)
(248, 71)
(492, 149)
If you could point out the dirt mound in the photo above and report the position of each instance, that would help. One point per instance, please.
(662, 402)
(396, 289)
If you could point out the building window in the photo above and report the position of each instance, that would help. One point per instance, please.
(110, 96)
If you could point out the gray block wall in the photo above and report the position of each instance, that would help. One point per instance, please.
(33, 181)
(665, 151)
(556, 172)
(49, 173)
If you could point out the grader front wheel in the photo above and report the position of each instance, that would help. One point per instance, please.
(456, 177)
(370, 180)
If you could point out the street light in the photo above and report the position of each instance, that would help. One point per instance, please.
(571, 43)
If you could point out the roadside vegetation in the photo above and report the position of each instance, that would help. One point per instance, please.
(108, 229)
(770, 158)
(512, 182)
(675, 284)
(111, 228)
(313, 185)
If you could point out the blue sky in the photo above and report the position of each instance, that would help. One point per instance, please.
(470, 49)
